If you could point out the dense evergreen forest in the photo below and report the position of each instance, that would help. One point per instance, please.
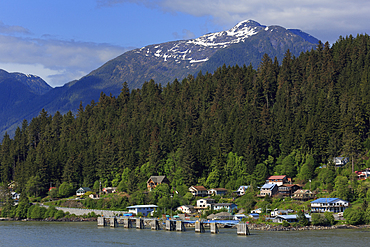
(230, 128)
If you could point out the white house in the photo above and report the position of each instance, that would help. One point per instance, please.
(198, 190)
(288, 218)
(229, 206)
(335, 205)
(15, 196)
(82, 190)
(340, 161)
(144, 209)
(268, 189)
(186, 209)
(276, 212)
(217, 191)
(205, 203)
(278, 179)
(242, 189)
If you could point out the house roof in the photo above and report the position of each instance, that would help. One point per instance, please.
(84, 188)
(199, 187)
(268, 186)
(157, 179)
(277, 177)
(224, 204)
(290, 217)
(143, 206)
(219, 189)
(327, 200)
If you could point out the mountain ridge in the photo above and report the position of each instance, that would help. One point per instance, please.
(245, 43)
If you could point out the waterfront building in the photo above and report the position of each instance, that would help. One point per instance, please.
(144, 209)
(334, 205)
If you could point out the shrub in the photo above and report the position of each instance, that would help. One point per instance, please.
(286, 223)
(59, 214)
(329, 218)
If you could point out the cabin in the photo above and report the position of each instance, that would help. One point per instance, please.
(217, 192)
(242, 189)
(288, 218)
(186, 209)
(109, 190)
(340, 161)
(15, 196)
(288, 189)
(276, 212)
(268, 189)
(334, 205)
(82, 190)
(205, 203)
(278, 180)
(303, 195)
(198, 190)
(144, 209)
(153, 181)
(229, 206)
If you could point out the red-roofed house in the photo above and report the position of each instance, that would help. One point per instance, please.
(279, 180)
(198, 190)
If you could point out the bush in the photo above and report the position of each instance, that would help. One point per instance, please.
(50, 212)
(318, 220)
(329, 218)
(36, 212)
(286, 223)
(59, 214)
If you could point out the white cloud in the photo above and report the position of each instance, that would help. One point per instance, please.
(325, 19)
(6, 29)
(56, 61)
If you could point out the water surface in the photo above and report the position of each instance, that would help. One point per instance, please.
(14, 233)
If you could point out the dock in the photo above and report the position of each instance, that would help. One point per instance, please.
(172, 225)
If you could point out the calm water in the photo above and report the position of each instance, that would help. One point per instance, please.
(88, 234)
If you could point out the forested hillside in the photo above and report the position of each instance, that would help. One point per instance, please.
(233, 127)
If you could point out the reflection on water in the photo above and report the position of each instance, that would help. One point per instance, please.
(88, 234)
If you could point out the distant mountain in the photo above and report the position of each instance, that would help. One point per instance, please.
(246, 43)
(17, 93)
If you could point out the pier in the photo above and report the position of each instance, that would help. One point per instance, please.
(173, 225)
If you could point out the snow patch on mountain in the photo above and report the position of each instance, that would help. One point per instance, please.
(195, 51)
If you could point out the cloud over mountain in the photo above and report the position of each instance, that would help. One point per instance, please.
(56, 61)
(326, 18)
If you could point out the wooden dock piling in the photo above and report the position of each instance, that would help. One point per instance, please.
(155, 225)
(140, 223)
(101, 221)
(242, 229)
(199, 227)
(113, 222)
(127, 223)
(214, 228)
(170, 225)
(180, 226)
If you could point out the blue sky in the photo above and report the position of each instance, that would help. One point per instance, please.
(65, 40)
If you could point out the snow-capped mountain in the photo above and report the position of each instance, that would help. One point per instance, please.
(245, 43)
(199, 49)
